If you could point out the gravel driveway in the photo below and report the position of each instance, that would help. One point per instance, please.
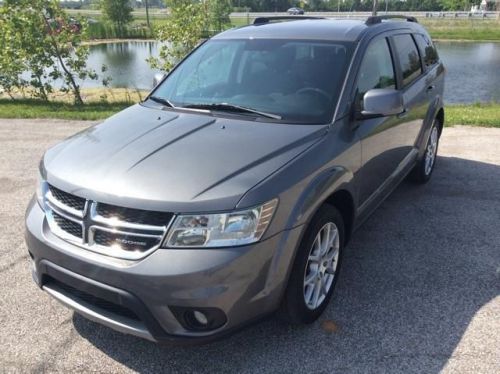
(419, 290)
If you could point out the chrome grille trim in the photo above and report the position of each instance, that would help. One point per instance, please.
(118, 223)
(54, 227)
(91, 222)
(50, 198)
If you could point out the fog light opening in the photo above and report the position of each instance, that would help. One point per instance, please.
(200, 317)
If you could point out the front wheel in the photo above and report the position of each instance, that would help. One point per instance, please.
(316, 268)
(424, 168)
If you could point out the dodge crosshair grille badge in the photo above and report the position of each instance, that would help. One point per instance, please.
(103, 228)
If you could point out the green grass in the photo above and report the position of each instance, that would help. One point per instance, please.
(28, 108)
(486, 115)
(449, 29)
(460, 29)
(474, 29)
(464, 30)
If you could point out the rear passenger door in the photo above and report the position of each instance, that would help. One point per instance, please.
(389, 144)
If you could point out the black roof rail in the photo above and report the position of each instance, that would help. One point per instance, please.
(372, 20)
(264, 20)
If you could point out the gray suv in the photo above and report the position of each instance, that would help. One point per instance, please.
(231, 192)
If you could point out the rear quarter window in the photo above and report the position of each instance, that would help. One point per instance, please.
(409, 58)
(427, 49)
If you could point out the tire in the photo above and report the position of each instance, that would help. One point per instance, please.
(423, 169)
(294, 307)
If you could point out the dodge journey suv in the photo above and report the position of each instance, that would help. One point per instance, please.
(231, 191)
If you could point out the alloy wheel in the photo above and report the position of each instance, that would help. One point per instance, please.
(430, 153)
(321, 265)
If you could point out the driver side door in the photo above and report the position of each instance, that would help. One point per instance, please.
(383, 139)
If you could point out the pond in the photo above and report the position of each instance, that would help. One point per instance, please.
(473, 69)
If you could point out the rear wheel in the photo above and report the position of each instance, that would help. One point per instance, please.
(316, 268)
(424, 168)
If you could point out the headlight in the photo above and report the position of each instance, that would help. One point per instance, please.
(41, 190)
(221, 230)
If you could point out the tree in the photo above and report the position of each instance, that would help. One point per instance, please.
(146, 4)
(455, 4)
(40, 39)
(117, 11)
(219, 11)
(181, 32)
(185, 27)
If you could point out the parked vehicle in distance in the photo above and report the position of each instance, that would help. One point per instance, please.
(295, 11)
(231, 191)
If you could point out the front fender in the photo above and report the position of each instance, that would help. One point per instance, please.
(312, 197)
(317, 192)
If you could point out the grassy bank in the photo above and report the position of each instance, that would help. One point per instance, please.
(36, 109)
(473, 29)
(445, 29)
(487, 115)
(99, 104)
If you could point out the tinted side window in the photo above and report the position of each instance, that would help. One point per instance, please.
(409, 58)
(428, 50)
(376, 70)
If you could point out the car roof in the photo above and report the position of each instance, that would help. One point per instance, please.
(316, 29)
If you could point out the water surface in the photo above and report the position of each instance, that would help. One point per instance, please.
(473, 69)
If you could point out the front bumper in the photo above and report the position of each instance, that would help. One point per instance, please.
(143, 297)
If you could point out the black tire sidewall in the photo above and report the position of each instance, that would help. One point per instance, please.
(428, 176)
(419, 175)
(295, 309)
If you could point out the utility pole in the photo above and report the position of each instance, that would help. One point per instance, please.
(338, 6)
(147, 13)
(374, 11)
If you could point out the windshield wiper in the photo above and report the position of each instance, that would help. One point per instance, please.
(231, 108)
(161, 100)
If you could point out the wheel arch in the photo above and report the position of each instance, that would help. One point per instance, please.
(343, 201)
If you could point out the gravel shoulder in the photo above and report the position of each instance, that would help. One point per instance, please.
(419, 291)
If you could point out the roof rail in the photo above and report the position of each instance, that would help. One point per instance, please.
(264, 20)
(372, 20)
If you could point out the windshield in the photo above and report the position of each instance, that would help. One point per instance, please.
(296, 81)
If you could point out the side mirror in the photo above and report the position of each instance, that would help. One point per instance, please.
(157, 79)
(382, 102)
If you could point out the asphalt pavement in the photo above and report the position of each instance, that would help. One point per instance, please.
(419, 291)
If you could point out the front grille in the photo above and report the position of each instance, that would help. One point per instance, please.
(68, 226)
(95, 301)
(143, 217)
(110, 230)
(72, 201)
(126, 242)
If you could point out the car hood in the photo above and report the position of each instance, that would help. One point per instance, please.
(181, 162)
